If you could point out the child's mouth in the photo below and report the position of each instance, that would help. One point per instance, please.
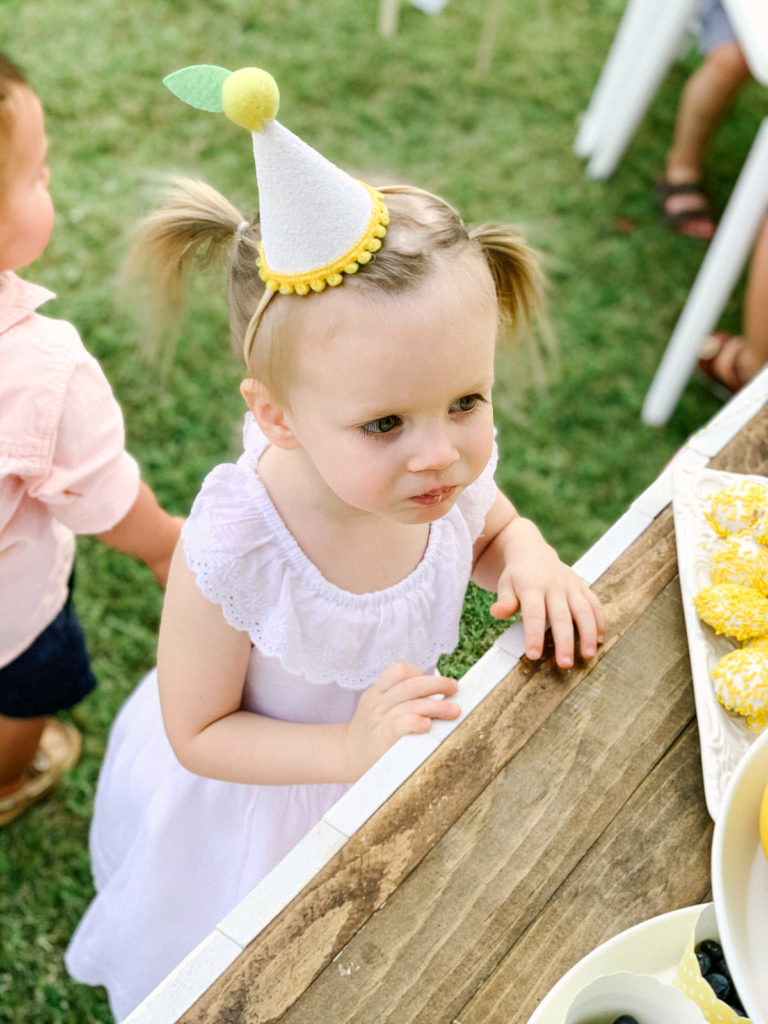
(434, 497)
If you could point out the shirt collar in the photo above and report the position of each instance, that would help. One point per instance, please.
(19, 298)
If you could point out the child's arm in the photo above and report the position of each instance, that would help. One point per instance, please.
(513, 559)
(202, 663)
(147, 532)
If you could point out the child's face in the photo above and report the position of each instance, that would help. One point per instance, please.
(26, 208)
(392, 403)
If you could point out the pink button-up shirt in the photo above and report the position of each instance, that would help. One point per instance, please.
(63, 465)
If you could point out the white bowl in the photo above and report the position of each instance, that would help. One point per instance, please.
(641, 995)
(740, 881)
(650, 947)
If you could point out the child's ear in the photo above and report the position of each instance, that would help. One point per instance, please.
(268, 413)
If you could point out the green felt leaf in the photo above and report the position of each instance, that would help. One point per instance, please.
(199, 85)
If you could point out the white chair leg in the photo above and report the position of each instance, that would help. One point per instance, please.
(648, 65)
(388, 14)
(727, 254)
(634, 30)
(488, 36)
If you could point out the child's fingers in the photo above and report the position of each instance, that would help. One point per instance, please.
(561, 623)
(586, 622)
(584, 611)
(402, 683)
(563, 607)
(416, 700)
(599, 613)
(534, 623)
(403, 700)
(507, 602)
(396, 674)
(419, 687)
(505, 608)
(417, 716)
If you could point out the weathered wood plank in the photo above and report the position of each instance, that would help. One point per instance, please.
(422, 956)
(654, 857)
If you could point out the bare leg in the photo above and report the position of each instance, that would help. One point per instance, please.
(19, 739)
(755, 354)
(707, 95)
(734, 360)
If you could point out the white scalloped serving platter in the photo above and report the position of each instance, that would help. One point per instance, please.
(724, 737)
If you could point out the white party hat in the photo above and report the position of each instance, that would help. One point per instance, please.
(317, 222)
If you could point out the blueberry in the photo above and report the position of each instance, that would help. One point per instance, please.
(712, 949)
(625, 1018)
(705, 963)
(719, 984)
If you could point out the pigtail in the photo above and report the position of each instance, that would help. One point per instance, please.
(516, 272)
(194, 222)
(520, 287)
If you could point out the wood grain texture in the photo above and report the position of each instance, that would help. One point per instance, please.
(653, 857)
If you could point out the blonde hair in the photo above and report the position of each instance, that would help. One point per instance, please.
(11, 78)
(424, 230)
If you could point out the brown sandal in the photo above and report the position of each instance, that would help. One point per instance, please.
(718, 360)
(697, 213)
(58, 750)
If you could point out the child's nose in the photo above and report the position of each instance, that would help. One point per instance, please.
(434, 450)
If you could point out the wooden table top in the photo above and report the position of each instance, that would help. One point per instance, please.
(564, 809)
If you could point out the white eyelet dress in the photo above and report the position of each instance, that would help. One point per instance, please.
(172, 852)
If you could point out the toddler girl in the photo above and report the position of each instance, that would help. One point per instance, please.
(63, 470)
(321, 576)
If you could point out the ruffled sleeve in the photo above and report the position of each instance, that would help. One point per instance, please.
(247, 562)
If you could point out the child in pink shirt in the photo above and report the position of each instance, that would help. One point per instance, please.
(63, 470)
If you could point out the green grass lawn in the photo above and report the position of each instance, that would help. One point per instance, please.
(498, 145)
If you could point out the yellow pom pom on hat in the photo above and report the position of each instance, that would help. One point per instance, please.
(249, 97)
(318, 223)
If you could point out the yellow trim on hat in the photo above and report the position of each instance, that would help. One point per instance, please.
(332, 273)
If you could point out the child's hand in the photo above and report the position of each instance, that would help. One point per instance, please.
(399, 702)
(161, 566)
(512, 558)
(542, 587)
(146, 532)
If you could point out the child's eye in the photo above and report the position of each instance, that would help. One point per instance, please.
(382, 425)
(467, 403)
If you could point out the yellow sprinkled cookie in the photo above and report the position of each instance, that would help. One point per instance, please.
(760, 527)
(738, 558)
(737, 507)
(741, 684)
(733, 610)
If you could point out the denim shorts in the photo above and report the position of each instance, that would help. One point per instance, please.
(53, 674)
(714, 26)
